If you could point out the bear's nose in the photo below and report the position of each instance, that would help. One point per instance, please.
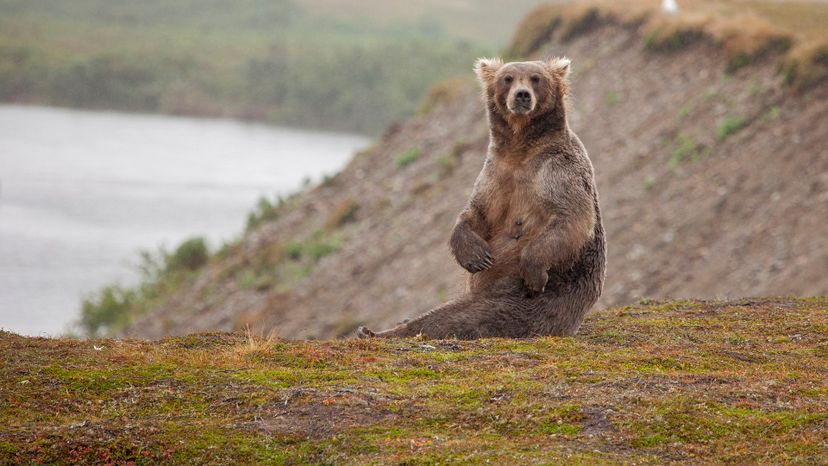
(523, 96)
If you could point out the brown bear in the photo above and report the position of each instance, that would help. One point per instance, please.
(531, 235)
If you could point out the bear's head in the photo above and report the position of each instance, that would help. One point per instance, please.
(519, 92)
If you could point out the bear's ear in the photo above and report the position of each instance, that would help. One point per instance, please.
(486, 68)
(559, 66)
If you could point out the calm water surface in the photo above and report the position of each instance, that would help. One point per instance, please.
(82, 192)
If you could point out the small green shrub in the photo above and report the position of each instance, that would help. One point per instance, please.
(265, 211)
(291, 272)
(247, 280)
(612, 97)
(113, 307)
(321, 246)
(317, 246)
(226, 248)
(685, 148)
(408, 157)
(729, 126)
(192, 254)
(108, 309)
(293, 250)
(256, 279)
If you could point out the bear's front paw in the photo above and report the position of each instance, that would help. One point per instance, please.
(474, 256)
(365, 332)
(535, 278)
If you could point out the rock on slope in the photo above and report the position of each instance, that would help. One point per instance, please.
(713, 183)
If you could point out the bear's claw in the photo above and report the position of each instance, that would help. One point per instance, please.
(480, 264)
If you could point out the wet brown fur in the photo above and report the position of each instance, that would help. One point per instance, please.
(531, 234)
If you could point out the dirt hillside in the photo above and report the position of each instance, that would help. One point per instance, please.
(713, 181)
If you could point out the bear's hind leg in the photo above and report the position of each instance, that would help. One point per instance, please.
(469, 317)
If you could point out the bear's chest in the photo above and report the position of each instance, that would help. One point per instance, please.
(515, 208)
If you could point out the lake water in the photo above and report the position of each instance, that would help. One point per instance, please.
(81, 193)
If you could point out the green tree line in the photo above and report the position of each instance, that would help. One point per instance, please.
(256, 59)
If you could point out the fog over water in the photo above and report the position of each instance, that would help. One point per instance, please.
(82, 192)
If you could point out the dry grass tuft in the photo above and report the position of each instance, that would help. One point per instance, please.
(345, 212)
(578, 20)
(536, 29)
(253, 345)
(444, 92)
(749, 37)
(667, 33)
(807, 64)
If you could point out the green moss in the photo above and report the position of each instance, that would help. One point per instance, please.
(656, 306)
(729, 126)
(408, 157)
(8, 449)
(612, 97)
(685, 148)
(651, 440)
(322, 245)
(612, 336)
(315, 247)
(97, 381)
(248, 280)
(772, 114)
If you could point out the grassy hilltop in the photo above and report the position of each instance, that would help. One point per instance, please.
(675, 382)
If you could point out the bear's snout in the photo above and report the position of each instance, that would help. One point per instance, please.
(522, 101)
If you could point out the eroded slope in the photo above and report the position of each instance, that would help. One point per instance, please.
(713, 183)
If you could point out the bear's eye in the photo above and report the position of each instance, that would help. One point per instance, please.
(508, 79)
(535, 79)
